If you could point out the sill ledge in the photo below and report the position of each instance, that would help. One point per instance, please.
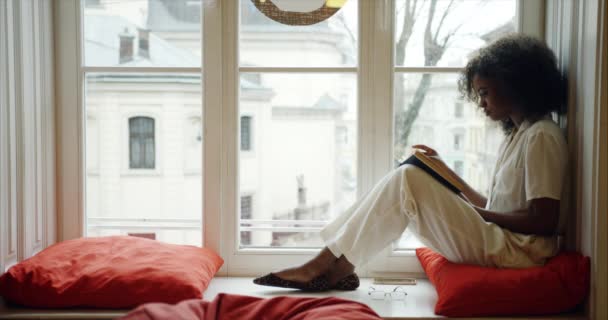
(418, 304)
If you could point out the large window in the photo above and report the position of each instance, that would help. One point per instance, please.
(142, 81)
(433, 40)
(298, 121)
(300, 85)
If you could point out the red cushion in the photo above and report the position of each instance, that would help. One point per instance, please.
(110, 272)
(469, 290)
(228, 307)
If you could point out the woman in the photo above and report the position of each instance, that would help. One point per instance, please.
(515, 81)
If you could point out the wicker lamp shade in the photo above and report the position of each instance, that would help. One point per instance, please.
(294, 18)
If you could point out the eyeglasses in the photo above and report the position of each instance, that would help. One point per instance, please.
(398, 293)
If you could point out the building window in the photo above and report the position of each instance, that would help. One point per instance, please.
(246, 133)
(458, 167)
(141, 143)
(246, 213)
(342, 135)
(459, 109)
(458, 137)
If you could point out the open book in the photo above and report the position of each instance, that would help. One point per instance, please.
(435, 168)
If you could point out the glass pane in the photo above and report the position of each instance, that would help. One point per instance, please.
(330, 43)
(142, 33)
(163, 200)
(428, 111)
(457, 28)
(301, 168)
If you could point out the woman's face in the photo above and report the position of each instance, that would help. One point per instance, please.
(491, 101)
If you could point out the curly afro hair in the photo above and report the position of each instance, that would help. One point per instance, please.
(526, 72)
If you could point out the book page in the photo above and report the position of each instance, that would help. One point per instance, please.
(439, 167)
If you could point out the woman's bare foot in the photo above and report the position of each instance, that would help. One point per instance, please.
(319, 265)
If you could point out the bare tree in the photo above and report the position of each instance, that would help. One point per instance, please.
(434, 48)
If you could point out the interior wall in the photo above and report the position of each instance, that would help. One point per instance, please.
(574, 31)
(27, 161)
(601, 311)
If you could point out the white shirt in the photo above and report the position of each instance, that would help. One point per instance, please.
(531, 164)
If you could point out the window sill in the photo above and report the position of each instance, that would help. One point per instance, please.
(418, 304)
(141, 173)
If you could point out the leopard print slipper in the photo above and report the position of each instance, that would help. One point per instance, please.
(348, 283)
(317, 284)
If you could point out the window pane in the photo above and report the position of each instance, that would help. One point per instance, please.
(246, 133)
(303, 166)
(246, 210)
(142, 33)
(141, 118)
(330, 43)
(141, 143)
(468, 143)
(467, 26)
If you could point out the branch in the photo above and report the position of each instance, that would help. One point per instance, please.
(406, 30)
(445, 13)
(414, 9)
(429, 22)
(450, 34)
(417, 14)
(350, 33)
(399, 9)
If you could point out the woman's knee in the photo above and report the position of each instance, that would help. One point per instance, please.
(413, 173)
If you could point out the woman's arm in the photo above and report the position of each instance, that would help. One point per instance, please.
(541, 218)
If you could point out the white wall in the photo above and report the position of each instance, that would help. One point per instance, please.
(27, 175)
(576, 30)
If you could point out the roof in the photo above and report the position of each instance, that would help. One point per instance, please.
(174, 15)
(102, 45)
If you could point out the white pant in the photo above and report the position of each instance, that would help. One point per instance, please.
(409, 197)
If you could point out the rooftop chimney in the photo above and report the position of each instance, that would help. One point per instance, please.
(126, 46)
(143, 43)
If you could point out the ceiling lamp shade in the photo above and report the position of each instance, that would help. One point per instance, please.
(298, 12)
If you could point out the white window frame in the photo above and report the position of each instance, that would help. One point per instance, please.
(220, 70)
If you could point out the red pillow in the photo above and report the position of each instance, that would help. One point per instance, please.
(110, 272)
(237, 307)
(469, 290)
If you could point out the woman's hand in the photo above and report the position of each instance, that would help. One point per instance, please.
(431, 153)
(469, 194)
(428, 150)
